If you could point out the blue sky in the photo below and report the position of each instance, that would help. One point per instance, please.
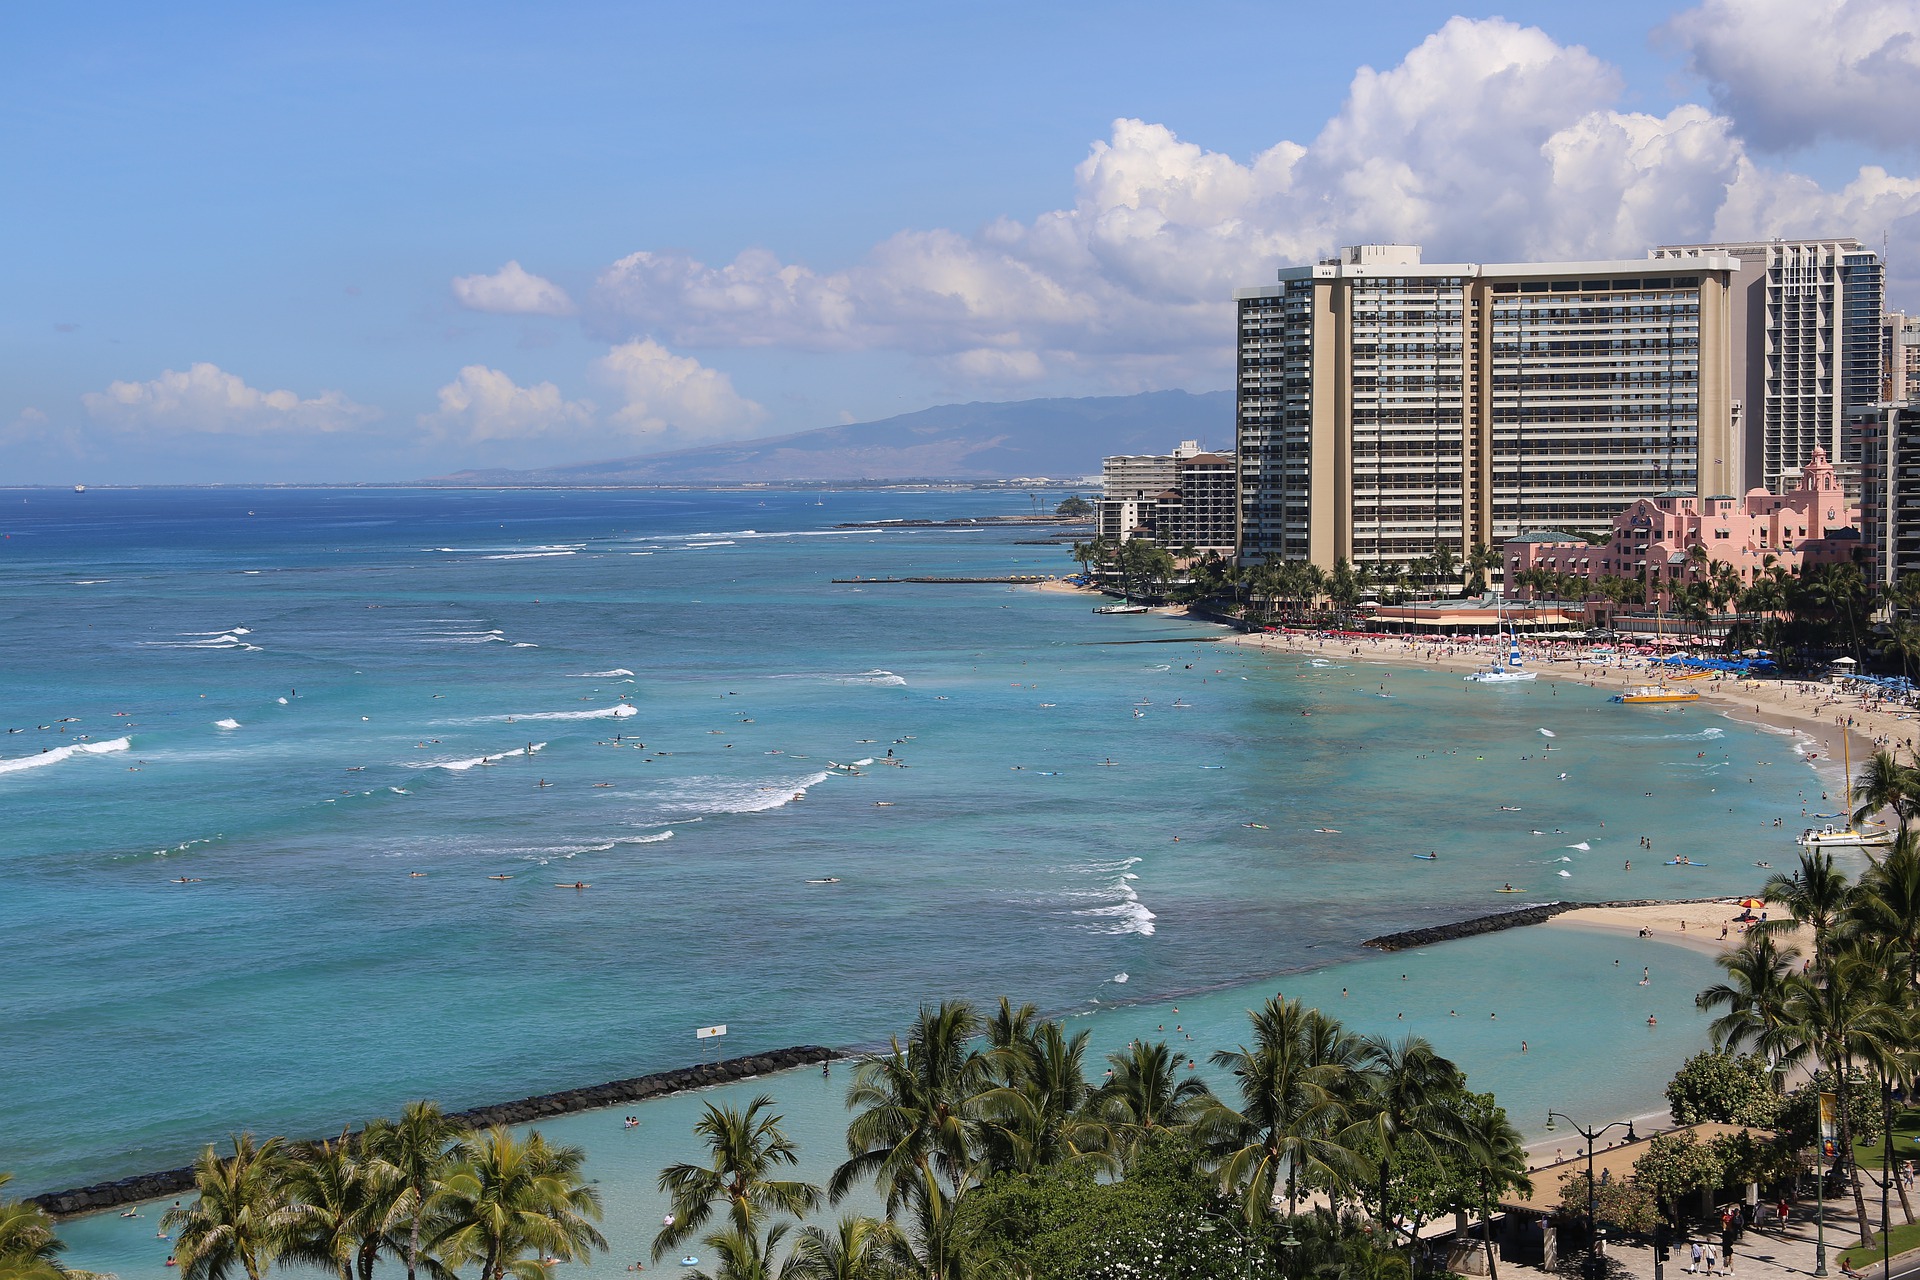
(272, 242)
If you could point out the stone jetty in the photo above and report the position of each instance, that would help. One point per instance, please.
(173, 1182)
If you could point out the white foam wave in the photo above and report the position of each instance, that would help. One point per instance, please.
(228, 639)
(619, 711)
(461, 766)
(731, 795)
(877, 676)
(1125, 913)
(528, 555)
(696, 546)
(90, 582)
(21, 763)
(500, 552)
(522, 644)
(228, 723)
(1583, 845)
(602, 675)
(1548, 733)
(1707, 734)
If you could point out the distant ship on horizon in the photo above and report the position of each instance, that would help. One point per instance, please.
(79, 488)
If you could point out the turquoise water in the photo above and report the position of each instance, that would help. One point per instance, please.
(1558, 989)
(309, 978)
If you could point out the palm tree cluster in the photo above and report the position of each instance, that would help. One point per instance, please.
(1852, 1007)
(1278, 588)
(30, 1249)
(967, 1105)
(421, 1192)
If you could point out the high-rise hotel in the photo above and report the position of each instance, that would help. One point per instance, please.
(1387, 405)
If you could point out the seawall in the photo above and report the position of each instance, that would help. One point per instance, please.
(1508, 920)
(172, 1182)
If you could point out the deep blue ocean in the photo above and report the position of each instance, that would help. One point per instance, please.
(374, 729)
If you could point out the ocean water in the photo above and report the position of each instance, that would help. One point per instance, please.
(341, 714)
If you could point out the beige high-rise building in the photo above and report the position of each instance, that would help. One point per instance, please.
(1807, 343)
(1386, 406)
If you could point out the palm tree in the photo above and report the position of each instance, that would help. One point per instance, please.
(935, 1245)
(337, 1210)
(745, 1254)
(1147, 1095)
(510, 1197)
(1408, 1086)
(1902, 641)
(1817, 895)
(29, 1247)
(1760, 979)
(1293, 1119)
(917, 1107)
(1885, 783)
(1887, 902)
(746, 1150)
(1042, 1121)
(1491, 1150)
(1010, 1033)
(411, 1157)
(239, 1217)
(1839, 1018)
(857, 1248)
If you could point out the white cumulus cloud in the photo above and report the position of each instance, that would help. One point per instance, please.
(512, 290)
(1790, 72)
(483, 404)
(1489, 141)
(675, 398)
(207, 399)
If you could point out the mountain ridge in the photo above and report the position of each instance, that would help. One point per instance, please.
(1057, 437)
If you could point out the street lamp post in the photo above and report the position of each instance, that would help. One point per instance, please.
(1593, 1189)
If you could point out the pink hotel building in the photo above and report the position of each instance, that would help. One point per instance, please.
(1653, 539)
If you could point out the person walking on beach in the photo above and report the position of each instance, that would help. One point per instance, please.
(1694, 1265)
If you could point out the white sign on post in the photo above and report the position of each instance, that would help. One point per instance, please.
(708, 1033)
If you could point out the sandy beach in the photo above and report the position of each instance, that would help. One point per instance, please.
(1817, 710)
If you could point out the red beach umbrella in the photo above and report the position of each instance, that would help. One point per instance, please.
(1752, 904)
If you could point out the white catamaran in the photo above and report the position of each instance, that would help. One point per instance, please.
(1511, 672)
(1865, 835)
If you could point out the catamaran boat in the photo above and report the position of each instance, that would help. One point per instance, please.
(1512, 672)
(1128, 607)
(1866, 835)
(1832, 837)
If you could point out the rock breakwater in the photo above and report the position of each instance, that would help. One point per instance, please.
(172, 1182)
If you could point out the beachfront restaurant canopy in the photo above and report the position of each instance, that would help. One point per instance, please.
(1477, 616)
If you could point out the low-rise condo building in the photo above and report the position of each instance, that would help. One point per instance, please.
(1186, 498)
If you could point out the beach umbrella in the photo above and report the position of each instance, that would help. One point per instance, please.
(1752, 904)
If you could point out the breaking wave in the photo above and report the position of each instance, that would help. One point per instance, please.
(20, 764)
(461, 766)
(618, 711)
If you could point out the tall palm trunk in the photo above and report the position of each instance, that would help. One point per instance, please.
(413, 1238)
(1888, 1170)
(1846, 1147)
(1486, 1230)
